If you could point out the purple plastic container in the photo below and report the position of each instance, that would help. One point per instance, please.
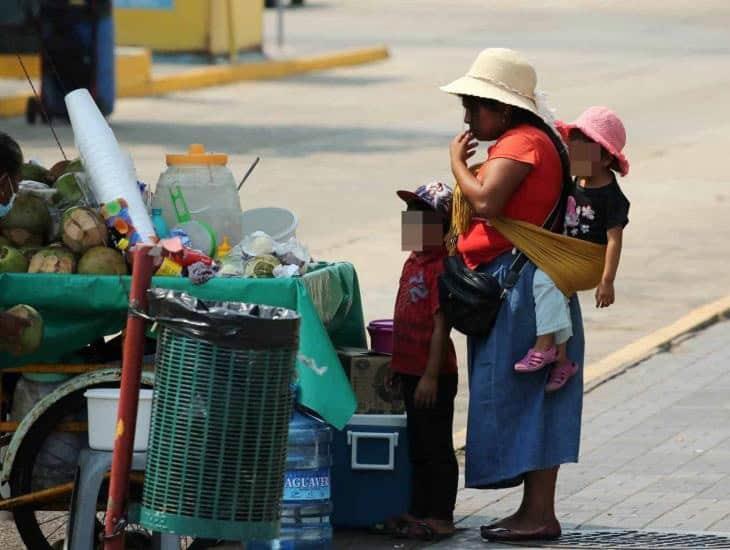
(381, 336)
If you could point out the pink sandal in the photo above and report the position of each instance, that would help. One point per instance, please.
(560, 375)
(535, 360)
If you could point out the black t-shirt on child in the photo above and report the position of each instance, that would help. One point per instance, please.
(593, 211)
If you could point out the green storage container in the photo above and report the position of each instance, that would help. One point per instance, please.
(220, 418)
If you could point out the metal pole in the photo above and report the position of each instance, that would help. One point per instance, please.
(128, 400)
(232, 39)
(280, 22)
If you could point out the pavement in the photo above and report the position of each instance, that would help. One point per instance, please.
(655, 455)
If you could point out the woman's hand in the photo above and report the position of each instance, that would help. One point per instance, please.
(462, 148)
(605, 294)
(11, 328)
(426, 391)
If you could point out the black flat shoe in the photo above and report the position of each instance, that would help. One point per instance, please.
(502, 534)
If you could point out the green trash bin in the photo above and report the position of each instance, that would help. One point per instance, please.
(220, 417)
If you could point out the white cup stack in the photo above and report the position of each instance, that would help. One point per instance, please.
(110, 170)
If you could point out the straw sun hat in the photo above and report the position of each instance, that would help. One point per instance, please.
(500, 74)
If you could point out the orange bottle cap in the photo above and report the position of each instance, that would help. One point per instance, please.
(197, 155)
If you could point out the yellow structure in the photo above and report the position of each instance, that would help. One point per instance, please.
(215, 27)
(133, 67)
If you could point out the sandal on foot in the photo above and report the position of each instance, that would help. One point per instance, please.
(424, 532)
(535, 360)
(394, 525)
(560, 375)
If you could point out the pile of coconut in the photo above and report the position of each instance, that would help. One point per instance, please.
(53, 229)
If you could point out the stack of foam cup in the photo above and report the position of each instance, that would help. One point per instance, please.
(110, 170)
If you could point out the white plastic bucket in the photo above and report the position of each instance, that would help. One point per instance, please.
(278, 223)
(102, 406)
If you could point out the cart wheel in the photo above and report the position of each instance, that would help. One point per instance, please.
(44, 527)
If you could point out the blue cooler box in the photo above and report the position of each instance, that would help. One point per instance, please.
(371, 471)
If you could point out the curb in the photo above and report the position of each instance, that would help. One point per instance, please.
(204, 77)
(637, 352)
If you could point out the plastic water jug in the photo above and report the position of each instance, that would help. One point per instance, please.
(307, 505)
(200, 183)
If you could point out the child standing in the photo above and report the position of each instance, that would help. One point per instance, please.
(597, 211)
(425, 362)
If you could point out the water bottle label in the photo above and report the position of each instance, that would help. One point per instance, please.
(307, 484)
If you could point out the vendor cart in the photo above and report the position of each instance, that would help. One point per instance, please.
(78, 310)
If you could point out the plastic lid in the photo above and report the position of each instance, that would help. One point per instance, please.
(113, 393)
(197, 155)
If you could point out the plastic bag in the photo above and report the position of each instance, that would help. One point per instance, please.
(227, 324)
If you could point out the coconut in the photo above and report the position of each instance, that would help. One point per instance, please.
(261, 267)
(27, 222)
(29, 251)
(68, 190)
(74, 166)
(102, 261)
(31, 336)
(12, 260)
(55, 259)
(34, 172)
(82, 228)
(57, 170)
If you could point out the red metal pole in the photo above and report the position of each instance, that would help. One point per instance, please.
(128, 399)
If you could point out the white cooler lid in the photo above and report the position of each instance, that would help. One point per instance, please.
(390, 420)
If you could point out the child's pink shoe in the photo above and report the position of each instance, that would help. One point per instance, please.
(535, 360)
(559, 376)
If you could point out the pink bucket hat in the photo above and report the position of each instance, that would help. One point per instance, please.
(604, 127)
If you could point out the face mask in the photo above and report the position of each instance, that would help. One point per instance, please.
(6, 208)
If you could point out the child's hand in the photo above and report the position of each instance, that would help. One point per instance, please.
(426, 391)
(605, 294)
(390, 380)
(462, 148)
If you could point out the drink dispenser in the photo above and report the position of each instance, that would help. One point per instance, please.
(199, 186)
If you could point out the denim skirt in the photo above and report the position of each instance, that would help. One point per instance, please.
(515, 427)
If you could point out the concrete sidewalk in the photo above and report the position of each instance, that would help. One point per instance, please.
(655, 454)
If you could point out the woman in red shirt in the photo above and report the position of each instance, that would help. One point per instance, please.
(516, 432)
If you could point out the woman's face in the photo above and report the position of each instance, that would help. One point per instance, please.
(485, 122)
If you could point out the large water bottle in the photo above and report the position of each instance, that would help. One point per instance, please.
(306, 506)
(199, 184)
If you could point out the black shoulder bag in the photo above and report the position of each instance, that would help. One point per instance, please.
(470, 300)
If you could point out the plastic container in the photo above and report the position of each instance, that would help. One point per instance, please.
(371, 470)
(381, 336)
(307, 505)
(278, 223)
(208, 188)
(102, 405)
(160, 224)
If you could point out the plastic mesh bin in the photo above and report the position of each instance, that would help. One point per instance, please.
(220, 418)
